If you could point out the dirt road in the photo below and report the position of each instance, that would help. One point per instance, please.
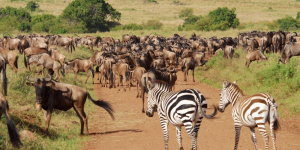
(133, 130)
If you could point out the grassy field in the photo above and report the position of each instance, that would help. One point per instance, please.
(281, 81)
(64, 126)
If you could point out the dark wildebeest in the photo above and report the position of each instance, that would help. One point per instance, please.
(3, 75)
(276, 42)
(80, 65)
(10, 57)
(12, 131)
(266, 41)
(290, 49)
(188, 64)
(255, 55)
(137, 76)
(62, 96)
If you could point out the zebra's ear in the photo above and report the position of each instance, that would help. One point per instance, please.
(225, 83)
(234, 82)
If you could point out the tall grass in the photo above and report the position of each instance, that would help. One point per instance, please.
(282, 81)
(64, 126)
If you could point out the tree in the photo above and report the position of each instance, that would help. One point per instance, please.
(224, 16)
(32, 6)
(95, 15)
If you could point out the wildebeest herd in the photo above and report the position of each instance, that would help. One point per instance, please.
(151, 62)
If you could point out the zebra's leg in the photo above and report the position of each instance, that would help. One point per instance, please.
(263, 132)
(164, 125)
(188, 124)
(237, 135)
(253, 137)
(178, 137)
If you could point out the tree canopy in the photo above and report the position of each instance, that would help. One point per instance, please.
(95, 15)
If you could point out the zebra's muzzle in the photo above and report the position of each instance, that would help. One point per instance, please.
(221, 110)
(149, 114)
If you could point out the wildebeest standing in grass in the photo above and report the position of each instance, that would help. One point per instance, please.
(62, 96)
(228, 52)
(80, 65)
(290, 49)
(32, 51)
(3, 75)
(255, 55)
(11, 57)
(12, 130)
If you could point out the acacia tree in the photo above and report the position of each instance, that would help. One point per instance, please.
(95, 15)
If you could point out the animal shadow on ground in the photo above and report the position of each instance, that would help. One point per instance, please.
(33, 127)
(116, 131)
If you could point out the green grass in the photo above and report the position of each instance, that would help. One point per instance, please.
(281, 81)
(64, 126)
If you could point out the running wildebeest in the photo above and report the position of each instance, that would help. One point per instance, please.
(62, 96)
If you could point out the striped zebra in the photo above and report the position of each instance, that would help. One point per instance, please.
(250, 111)
(180, 108)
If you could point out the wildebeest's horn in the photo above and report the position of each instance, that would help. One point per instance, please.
(29, 79)
(48, 79)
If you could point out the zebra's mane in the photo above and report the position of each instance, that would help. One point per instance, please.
(164, 83)
(237, 87)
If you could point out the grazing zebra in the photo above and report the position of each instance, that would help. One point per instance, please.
(250, 111)
(180, 108)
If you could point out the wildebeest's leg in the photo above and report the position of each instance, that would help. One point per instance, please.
(87, 75)
(137, 87)
(184, 75)
(83, 119)
(143, 100)
(178, 137)
(57, 74)
(253, 137)
(47, 117)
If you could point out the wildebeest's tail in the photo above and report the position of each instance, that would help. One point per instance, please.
(16, 62)
(20, 47)
(275, 49)
(12, 130)
(25, 62)
(4, 79)
(105, 105)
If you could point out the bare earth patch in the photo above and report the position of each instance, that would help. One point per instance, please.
(133, 130)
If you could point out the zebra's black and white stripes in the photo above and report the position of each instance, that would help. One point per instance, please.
(180, 108)
(250, 111)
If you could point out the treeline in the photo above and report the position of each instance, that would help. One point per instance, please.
(79, 16)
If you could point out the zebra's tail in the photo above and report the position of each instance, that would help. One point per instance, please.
(202, 103)
(273, 115)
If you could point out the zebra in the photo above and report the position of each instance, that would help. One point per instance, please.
(180, 108)
(250, 111)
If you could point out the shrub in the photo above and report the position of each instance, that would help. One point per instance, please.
(221, 15)
(152, 25)
(298, 15)
(32, 6)
(24, 26)
(94, 14)
(186, 12)
(287, 22)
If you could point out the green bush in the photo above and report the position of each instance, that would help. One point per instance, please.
(32, 6)
(287, 22)
(24, 27)
(132, 26)
(186, 12)
(93, 14)
(152, 25)
(298, 15)
(219, 19)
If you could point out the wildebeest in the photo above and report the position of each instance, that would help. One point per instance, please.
(10, 57)
(121, 72)
(64, 41)
(57, 56)
(12, 43)
(12, 131)
(80, 65)
(290, 49)
(137, 75)
(228, 52)
(46, 61)
(188, 64)
(3, 75)
(255, 55)
(32, 51)
(62, 96)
